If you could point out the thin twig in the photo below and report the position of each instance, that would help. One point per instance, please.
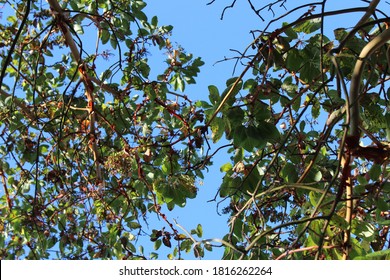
(227, 7)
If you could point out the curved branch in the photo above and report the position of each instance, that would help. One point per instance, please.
(370, 10)
(354, 90)
(311, 248)
(228, 7)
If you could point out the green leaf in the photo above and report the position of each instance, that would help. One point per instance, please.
(114, 42)
(302, 126)
(199, 230)
(382, 204)
(241, 138)
(157, 244)
(386, 187)
(133, 225)
(315, 233)
(375, 172)
(142, 32)
(139, 14)
(297, 104)
(144, 68)
(229, 186)
(309, 26)
(166, 193)
(105, 75)
(154, 21)
(339, 222)
(250, 84)
(235, 116)
(177, 82)
(105, 36)
(373, 117)
(186, 245)
(289, 87)
(363, 229)
(291, 34)
(217, 128)
(226, 167)
(384, 222)
(340, 34)
(294, 60)
(268, 132)
(317, 176)
(316, 108)
(262, 112)
(379, 255)
(214, 95)
(289, 173)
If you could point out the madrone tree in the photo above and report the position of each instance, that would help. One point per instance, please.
(93, 141)
(308, 121)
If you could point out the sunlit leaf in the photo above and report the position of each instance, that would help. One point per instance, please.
(78, 28)
(309, 26)
(217, 128)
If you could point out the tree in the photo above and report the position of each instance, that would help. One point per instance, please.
(317, 187)
(94, 141)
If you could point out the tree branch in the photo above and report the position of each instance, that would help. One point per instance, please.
(228, 7)
(285, 254)
(354, 90)
(63, 24)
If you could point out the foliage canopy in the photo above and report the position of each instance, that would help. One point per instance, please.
(94, 138)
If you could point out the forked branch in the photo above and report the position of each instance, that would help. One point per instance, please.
(62, 21)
